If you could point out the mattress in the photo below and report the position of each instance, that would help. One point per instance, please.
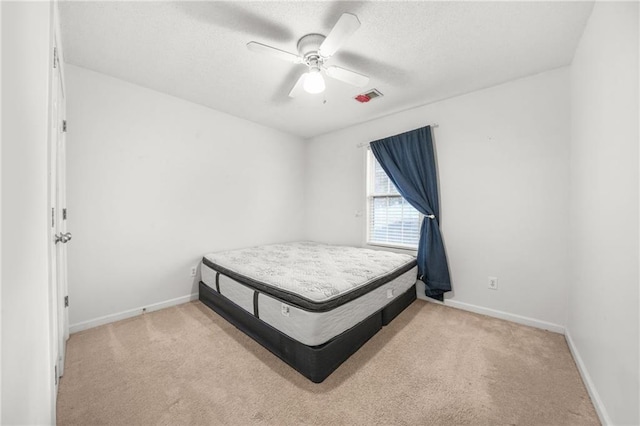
(309, 291)
(316, 363)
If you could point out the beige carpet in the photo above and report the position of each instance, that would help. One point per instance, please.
(433, 365)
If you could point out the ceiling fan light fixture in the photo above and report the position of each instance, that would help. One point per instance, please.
(314, 83)
(313, 51)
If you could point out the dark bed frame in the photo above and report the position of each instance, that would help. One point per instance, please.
(314, 362)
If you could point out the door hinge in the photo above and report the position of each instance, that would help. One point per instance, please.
(55, 57)
(66, 301)
(64, 214)
(55, 375)
(64, 126)
(53, 217)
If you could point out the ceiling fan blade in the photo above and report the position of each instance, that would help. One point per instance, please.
(348, 76)
(254, 46)
(297, 88)
(342, 30)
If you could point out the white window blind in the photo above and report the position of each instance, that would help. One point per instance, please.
(391, 221)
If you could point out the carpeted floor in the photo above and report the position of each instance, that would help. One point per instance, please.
(433, 365)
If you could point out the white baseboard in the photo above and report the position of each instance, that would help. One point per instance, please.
(74, 328)
(532, 322)
(588, 383)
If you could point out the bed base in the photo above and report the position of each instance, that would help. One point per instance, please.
(316, 363)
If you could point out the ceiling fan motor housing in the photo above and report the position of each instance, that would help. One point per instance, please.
(308, 47)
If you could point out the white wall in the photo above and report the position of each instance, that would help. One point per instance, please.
(27, 373)
(155, 182)
(603, 317)
(502, 157)
(1, 116)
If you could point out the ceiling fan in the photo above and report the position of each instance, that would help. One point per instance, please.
(313, 51)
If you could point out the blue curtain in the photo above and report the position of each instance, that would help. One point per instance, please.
(409, 161)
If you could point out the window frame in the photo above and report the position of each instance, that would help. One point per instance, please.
(369, 196)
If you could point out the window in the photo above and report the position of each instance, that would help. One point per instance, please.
(391, 221)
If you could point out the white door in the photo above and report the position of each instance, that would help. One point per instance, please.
(61, 219)
(53, 227)
(59, 236)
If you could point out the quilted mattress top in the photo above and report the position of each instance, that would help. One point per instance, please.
(313, 272)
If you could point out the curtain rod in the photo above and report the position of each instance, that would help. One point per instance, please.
(363, 144)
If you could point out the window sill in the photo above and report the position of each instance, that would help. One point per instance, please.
(391, 247)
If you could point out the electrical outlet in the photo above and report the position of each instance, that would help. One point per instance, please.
(493, 283)
(194, 269)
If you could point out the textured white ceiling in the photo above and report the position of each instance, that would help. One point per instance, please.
(415, 52)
